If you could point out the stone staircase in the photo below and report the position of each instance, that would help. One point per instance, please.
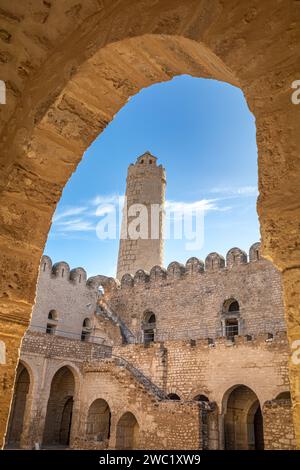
(104, 311)
(141, 378)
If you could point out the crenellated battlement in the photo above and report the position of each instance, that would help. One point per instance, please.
(214, 262)
(76, 276)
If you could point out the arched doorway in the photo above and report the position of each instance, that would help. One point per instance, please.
(98, 421)
(16, 420)
(59, 409)
(127, 432)
(243, 421)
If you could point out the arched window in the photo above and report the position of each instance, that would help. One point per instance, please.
(148, 327)
(52, 315)
(201, 398)
(284, 396)
(231, 318)
(52, 322)
(234, 306)
(100, 290)
(86, 329)
(174, 396)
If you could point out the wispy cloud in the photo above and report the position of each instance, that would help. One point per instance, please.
(203, 205)
(107, 199)
(68, 212)
(235, 192)
(75, 225)
(70, 221)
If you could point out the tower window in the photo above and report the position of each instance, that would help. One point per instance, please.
(231, 318)
(234, 307)
(52, 315)
(52, 322)
(148, 327)
(86, 330)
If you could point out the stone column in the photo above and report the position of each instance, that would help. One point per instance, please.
(11, 334)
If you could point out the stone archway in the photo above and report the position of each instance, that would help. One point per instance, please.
(243, 421)
(52, 61)
(17, 414)
(127, 433)
(98, 421)
(59, 409)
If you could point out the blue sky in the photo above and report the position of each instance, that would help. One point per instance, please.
(204, 134)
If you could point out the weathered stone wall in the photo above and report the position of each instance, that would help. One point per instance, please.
(145, 185)
(188, 300)
(72, 297)
(163, 425)
(158, 422)
(279, 431)
(189, 370)
(53, 346)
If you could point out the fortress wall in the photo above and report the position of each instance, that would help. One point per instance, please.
(188, 300)
(189, 370)
(70, 294)
(162, 425)
(59, 347)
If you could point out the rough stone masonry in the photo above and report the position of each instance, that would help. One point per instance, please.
(194, 356)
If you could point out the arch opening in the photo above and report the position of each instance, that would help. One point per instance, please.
(18, 408)
(148, 327)
(243, 420)
(201, 397)
(127, 436)
(52, 322)
(284, 396)
(58, 421)
(98, 421)
(231, 318)
(174, 396)
(86, 330)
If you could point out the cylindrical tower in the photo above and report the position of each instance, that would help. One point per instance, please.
(141, 241)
